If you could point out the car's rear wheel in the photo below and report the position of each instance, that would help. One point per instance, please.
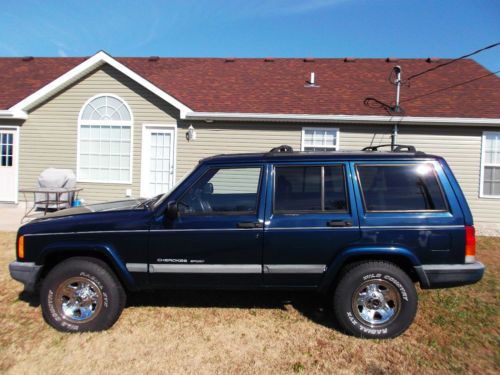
(82, 294)
(375, 299)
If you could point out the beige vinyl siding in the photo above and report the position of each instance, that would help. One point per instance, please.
(227, 138)
(49, 136)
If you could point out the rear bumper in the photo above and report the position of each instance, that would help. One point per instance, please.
(449, 275)
(26, 273)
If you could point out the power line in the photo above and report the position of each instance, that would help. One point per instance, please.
(450, 87)
(375, 103)
(451, 61)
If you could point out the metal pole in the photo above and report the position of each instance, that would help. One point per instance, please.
(397, 69)
(394, 136)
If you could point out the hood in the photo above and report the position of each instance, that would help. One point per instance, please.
(99, 207)
(121, 215)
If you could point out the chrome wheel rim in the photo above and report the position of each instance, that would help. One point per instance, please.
(78, 299)
(376, 303)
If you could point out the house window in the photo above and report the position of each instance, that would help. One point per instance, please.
(320, 139)
(490, 173)
(105, 140)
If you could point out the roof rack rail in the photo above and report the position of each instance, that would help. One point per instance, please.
(282, 148)
(394, 148)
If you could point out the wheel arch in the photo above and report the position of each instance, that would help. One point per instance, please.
(54, 254)
(400, 256)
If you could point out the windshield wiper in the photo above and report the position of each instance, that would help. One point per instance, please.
(149, 202)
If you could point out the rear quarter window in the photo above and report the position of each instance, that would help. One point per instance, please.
(401, 187)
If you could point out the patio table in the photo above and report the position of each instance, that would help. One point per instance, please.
(52, 197)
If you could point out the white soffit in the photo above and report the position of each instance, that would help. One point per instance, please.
(229, 116)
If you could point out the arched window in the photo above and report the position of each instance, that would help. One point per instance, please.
(105, 140)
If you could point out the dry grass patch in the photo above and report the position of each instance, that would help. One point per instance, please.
(456, 331)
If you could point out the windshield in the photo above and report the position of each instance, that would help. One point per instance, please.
(161, 198)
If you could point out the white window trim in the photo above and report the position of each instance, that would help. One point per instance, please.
(337, 138)
(484, 164)
(91, 122)
(145, 162)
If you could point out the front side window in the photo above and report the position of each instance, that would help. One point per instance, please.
(320, 139)
(105, 141)
(309, 188)
(491, 164)
(412, 187)
(223, 191)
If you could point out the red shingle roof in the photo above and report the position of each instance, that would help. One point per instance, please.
(278, 85)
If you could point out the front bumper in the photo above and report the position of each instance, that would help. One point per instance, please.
(26, 273)
(449, 275)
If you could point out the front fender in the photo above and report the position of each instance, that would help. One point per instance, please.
(104, 250)
(365, 252)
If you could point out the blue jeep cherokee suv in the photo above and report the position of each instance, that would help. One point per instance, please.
(360, 227)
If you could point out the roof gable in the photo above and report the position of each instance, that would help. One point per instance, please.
(80, 70)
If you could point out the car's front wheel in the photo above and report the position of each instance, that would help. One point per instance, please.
(375, 299)
(81, 294)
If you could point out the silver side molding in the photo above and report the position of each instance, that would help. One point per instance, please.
(294, 268)
(137, 267)
(205, 268)
(453, 267)
(228, 268)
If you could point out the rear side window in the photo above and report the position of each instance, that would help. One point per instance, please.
(412, 187)
(310, 188)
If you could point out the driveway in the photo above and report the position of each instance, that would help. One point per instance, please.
(10, 216)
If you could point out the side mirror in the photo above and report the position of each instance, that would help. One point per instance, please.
(172, 211)
(208, 188)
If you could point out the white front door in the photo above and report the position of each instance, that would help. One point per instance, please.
(8, 165)
(157, 176)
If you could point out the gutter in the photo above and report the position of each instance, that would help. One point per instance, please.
(13, 115)
(279, 117)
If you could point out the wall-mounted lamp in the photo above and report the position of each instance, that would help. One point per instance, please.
(191, 134)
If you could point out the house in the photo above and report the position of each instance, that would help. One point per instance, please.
(127, 126)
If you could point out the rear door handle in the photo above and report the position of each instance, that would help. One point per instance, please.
(339, 223)
(250, 224)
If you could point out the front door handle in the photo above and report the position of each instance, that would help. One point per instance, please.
(339, 223)
(250, 224)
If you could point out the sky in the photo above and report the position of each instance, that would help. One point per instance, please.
(252, 28)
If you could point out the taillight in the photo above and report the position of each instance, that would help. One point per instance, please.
(470, 244)
(20, 247)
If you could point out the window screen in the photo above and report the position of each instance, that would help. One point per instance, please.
(401, 188)
(309, 188)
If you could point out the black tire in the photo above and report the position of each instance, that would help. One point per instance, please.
(375, 299)
(81, 294)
